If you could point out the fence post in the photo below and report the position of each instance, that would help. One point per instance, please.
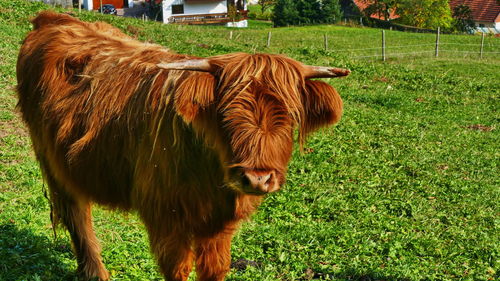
(231, 35)
(79, 6)
(325, 40)
(437, 41)
(269, 39)
(482, 46)
(383, 45)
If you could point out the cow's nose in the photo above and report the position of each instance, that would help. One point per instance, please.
(262, 180)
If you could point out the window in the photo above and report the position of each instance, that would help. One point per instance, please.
(178, 9)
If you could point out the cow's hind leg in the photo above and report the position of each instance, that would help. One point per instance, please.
(76, 216)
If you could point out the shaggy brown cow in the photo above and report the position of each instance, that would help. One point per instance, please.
(190, 143)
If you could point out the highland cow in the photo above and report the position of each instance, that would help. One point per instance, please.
(192, 144)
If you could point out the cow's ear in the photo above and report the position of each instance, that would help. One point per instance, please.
(193, 94)
(322, 107)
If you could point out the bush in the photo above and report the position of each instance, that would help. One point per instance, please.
(255, 13)
(289, 12)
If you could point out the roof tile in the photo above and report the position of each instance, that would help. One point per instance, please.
(482, 10)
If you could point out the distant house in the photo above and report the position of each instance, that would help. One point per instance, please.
(229, 12)
(95, 4)
(485, 13)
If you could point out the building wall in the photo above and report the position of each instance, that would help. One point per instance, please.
(488, 27)
(195, 8)
(205, 8)
(88, 5)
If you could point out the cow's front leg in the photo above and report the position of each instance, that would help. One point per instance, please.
(172, 251)
(213, 255)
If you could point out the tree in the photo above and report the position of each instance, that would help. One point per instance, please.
(382, 8)
(155, 11)
(291, 12)
(425, 13)
(309, 11)
(462, 18)
(285, 13)
(331, 11)
(265, 4)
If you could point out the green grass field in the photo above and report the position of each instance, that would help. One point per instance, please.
(406, 187)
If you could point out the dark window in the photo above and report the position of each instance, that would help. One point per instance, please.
(178, 9)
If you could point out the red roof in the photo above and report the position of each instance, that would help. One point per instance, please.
(482, 10)
(363, 4)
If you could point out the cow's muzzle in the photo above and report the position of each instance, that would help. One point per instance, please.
(261, 181)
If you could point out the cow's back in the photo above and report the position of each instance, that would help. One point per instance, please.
(86, 92)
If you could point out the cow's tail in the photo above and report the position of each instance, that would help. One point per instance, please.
(49, 17)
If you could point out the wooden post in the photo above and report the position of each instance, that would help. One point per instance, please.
(79, 6)
(482, 45)
(100, 2)
(269, 39)
(383, 45)
(437, 42)
(231, 35)
(325, 40)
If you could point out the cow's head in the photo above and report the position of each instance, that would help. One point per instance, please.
(247, 106)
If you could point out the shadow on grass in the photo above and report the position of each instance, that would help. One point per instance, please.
(27, 256)
(352, 275)
(310, 274)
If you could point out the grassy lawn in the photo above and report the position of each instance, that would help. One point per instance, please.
(406, 187)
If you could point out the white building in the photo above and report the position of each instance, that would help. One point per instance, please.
(229, 12)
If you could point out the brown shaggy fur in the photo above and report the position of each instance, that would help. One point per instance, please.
(109, 126)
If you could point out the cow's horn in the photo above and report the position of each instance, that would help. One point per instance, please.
(194, 65)
(325, 72)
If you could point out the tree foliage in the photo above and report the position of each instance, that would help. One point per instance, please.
(309, 11)
(382, 8)
(290, 12)
(155, 10)
(425, 13)
(265, 4)
(462, 18)
(331, 11)
(285, 13)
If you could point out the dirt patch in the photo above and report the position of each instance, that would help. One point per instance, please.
(381, 79)
(443, 167)
(479, 127)
(6, 10)
(203, 46)
(13, 127)
(242, 264)
(135, 31)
